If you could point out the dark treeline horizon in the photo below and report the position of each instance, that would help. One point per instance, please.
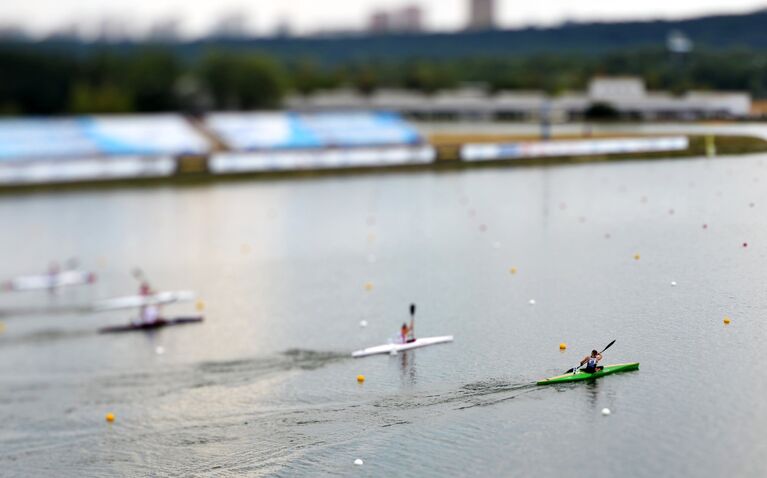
(72, 77)
(156, 79)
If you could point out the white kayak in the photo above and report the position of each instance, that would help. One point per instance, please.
(50, 281)
(134, 301)
(399, 347)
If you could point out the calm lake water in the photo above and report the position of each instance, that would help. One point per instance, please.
(288, 269)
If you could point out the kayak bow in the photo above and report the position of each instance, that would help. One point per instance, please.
(576, 377)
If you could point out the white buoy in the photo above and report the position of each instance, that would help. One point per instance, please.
(159, 350)
(358, 461)
(673, 283)
(393, 352)
(605, 411)
(363, 323)
(532, 302)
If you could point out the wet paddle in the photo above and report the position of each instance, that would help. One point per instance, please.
(581, 365)
(412, 319)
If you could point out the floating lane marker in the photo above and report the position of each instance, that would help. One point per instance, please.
(110, 417)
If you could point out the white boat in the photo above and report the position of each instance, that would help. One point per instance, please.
(393, 348)
(134, 301)
(50, 281)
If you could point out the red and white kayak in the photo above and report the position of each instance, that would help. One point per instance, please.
(50, 281)
(394, 348)
(135, 301)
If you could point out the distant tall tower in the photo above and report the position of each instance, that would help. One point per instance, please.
(481, 14)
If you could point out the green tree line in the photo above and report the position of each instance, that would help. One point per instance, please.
(153, 79)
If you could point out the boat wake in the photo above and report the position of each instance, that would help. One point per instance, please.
(45, 336)
(228, 373)
(474, 394)
(9, 313)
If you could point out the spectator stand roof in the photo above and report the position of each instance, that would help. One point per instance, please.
(98, 136)
(286, 130)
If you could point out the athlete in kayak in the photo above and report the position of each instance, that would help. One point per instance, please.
(150, 313)
(591, 362)
(53, 276)
(406, 332)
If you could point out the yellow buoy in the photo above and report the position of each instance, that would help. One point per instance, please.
(360, 378)
(368, 286)
(562, 346)
(110, 417)
(726, 320)
(513, 270)
(636, 257)
(199, 305)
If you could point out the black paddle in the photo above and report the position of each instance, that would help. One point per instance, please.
(579, 366)
(412, 319)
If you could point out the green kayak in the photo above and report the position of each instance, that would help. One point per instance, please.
(575, 377)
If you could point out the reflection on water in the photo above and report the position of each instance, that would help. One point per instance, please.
(407, 368)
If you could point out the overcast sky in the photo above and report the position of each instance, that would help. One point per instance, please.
(197, 16)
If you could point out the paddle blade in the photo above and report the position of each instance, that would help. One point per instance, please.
(412, 309)
(608, 346)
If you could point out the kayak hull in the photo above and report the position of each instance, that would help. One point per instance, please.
(50, 282)
(135, 301)
(160, 323)
(395, 348)
(580, 376)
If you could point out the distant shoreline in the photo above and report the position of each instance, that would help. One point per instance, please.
(447, 147)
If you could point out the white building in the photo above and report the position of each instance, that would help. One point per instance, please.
(481, 14)
(616, 88)
(408, 19)
(628, 96)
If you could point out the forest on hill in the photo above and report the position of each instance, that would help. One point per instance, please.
(71, 77)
